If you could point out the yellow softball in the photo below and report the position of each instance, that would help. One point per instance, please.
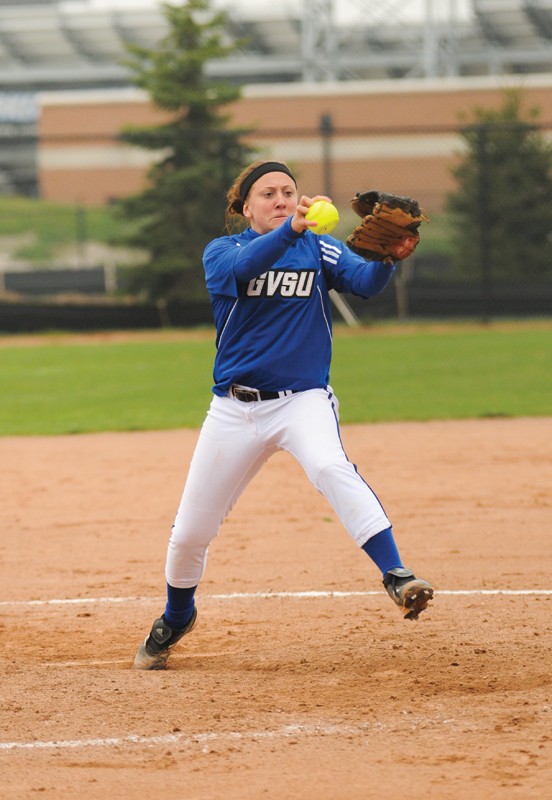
(325, 214)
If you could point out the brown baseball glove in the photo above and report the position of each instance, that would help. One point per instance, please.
(389, 227)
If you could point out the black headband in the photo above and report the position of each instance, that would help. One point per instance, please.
(258, 172)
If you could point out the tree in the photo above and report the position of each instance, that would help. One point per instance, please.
(198, 154)
(503, 204)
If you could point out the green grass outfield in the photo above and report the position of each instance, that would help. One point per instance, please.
(58, 384)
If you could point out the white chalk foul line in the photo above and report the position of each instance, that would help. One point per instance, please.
(268, 595)
(209, 737)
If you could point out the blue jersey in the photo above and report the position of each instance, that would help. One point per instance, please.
(272, 308)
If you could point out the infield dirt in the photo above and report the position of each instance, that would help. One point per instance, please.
(283, 690)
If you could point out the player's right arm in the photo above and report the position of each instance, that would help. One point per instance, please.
(239, 262)
(352, 273)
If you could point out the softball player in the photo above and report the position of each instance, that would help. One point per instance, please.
(269, 291)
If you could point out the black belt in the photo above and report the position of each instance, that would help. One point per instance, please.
(253, 395)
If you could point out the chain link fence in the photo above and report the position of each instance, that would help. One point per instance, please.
(48, 258)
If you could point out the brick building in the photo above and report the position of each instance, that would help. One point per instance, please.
(400, 135)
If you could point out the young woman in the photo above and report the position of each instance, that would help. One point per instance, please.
(269, 289)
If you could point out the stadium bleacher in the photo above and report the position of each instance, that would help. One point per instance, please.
(46, 44)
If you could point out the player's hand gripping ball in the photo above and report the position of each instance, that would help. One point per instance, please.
(324, 214)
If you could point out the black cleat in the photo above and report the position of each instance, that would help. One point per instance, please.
(154, 651)
(408, 592)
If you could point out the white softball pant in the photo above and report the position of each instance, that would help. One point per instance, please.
(236, 439)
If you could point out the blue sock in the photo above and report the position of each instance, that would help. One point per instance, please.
(180, 606)
(383, 551)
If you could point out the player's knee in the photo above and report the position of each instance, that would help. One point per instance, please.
(332, 473)
(194, 526)
(182, 538)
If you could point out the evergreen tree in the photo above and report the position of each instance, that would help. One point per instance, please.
(197, 153)
(503, 204)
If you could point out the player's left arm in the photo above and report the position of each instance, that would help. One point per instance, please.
(348, 272)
